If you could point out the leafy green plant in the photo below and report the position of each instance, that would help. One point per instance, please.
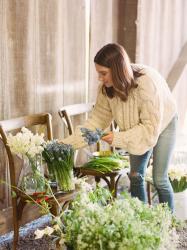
(124, 224)
(91, 223)
(106, 164)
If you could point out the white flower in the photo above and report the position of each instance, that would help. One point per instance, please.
(56, 227)
(48, 230)
(39, 233)
(62, 239)
(25, 143)
(177, 172)
(112, 245)
(82, 184)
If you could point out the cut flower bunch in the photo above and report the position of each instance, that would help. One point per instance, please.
(91, 136)
(29, 147)
(60, 161)
(26, 144)
(178, 178)
(178, 172)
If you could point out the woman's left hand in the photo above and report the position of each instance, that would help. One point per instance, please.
(108, 138)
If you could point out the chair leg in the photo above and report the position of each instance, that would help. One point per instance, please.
(54, 210)
(97, 179)
(15, 223)
(113, 189)
(149, 192)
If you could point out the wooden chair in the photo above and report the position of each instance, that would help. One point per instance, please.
(66, 113)
(19, 202)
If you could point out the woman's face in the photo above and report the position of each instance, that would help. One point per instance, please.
(104, 75)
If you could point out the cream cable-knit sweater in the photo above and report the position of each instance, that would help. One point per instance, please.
(147, 112)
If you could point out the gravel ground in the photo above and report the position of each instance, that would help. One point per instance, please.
(182, 244)
(26, 240)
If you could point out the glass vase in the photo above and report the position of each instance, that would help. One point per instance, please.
(65, 183)
(32, 181)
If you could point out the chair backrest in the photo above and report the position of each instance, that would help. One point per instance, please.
(67, 112)
(16, 124)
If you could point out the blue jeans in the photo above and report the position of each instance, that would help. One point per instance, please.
(162, 153)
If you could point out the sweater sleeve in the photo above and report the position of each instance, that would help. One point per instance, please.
(143, 136)
(101, 117)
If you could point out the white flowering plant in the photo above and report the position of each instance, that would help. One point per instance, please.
(93, 223)
(178, 178)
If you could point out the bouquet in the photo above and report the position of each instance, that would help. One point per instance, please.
(60, 161)
(29, 147)
(25, 144)
(178, 178)
(91, 136)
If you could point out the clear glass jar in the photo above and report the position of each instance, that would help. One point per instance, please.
(32, 179)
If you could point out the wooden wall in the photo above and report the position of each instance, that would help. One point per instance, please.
(42, 56)
(161, 32)
(161, 43)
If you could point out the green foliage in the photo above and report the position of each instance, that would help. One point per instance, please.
(124, 224)
(106, 164)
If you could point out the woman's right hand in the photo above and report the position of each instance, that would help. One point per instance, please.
(108, 138)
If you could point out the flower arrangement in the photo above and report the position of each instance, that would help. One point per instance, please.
(93, 223)
(29, 147)
(26, 144)
(60, 160)
(178, 178)
(91, 136)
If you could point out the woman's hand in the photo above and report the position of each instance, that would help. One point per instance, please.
(108, 138)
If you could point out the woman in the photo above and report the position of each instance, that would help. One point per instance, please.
(139, 100)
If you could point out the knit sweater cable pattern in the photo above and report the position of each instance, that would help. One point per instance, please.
(146, 113)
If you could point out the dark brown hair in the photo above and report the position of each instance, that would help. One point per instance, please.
(124, 74)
